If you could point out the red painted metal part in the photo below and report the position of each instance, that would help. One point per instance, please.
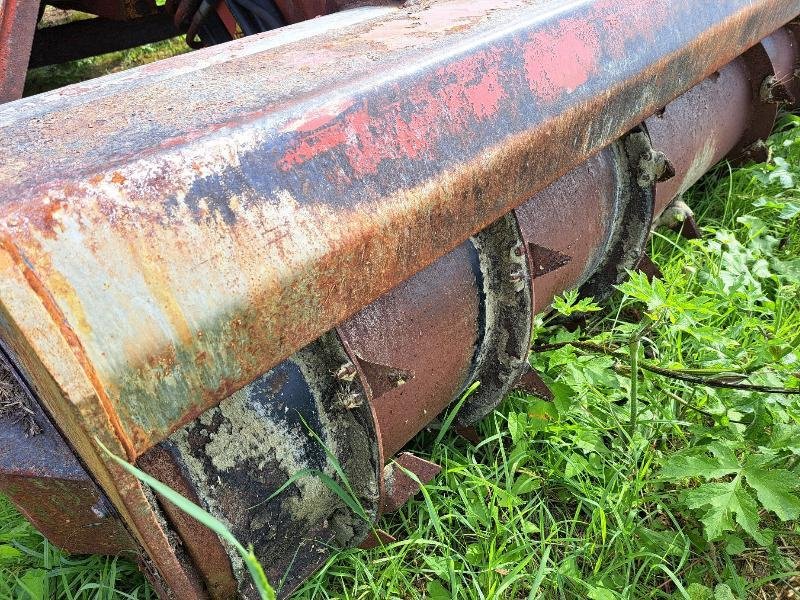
(784, 52)
(376, 538)
(690, 130)
(561, 255)
(691, 133)
(393, 340)
(17, 24)
(764, 94)
(400, 486)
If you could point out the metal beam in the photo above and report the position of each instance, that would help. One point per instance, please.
(58, 44)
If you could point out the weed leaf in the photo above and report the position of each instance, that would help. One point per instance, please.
(721, 503)
(773, 487)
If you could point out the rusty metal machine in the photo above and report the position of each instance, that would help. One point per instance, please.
(307, 242)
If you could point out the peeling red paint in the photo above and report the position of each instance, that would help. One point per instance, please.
(472, 91)
(562, 59)
(486, 95)
(316, 143)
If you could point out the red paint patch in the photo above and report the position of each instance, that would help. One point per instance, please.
(631, 20)
(486, 95)
(466, 91)
(314, 144)
(559, 61)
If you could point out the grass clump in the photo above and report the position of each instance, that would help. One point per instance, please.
(659, 469)
(33, 569)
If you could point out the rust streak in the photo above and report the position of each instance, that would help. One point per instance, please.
(72, 339)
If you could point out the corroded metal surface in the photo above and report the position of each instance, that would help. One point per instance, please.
(439, 307)
(748, 91)
(17, 24)
(783, 49)
(690, 132)
(163, 566)
(506, 320)
(400, 486)
(41, 475)
(639, 167)
(476, 302)
(237, 460)
(202, 544)
(766, 95)
(563, 253)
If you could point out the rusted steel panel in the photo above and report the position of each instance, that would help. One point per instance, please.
(236, 458)
(73, 398)
(563, 253)
(41, 475)
(170, 264)
(440, 307)
(783, 49)
(692, 134)
(400, 487)
(17, 24)
(202, 544)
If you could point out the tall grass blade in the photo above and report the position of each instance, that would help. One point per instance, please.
(253, 566)
(448, 420)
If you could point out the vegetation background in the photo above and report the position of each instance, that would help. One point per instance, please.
(680, 482)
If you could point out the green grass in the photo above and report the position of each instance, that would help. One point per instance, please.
(31, 568)
(559, 500)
